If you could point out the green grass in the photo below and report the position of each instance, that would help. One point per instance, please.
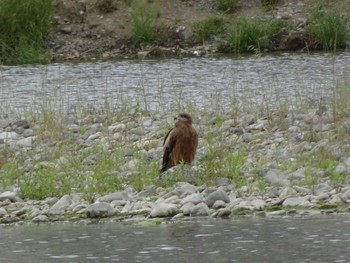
(211, 26)
(143, 17)
(61, 160)
(226, 6)
(327, 30)
(23, 25)
(250, 36)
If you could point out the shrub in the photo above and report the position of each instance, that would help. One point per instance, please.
(327, 30)
(226, 6)
(250, 35)
(22, 27)
(143, 16)
(203, 30)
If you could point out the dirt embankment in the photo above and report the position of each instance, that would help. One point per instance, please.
(84, 30)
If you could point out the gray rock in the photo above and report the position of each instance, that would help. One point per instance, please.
(4, 123)
(276, 213)
(117, 128)
(73, 128)
(200, 209)
(287, 192)
(12, 196)
(294, 129)
(194, 198)
(66, 29)
(247, 137)
(219, 204)
(25, 142)
(346, 194)
(321, 188)
(276, 178)
(162, 209)
(173, 200)
(297, 201)
(20, 212)
(3, 212)
(99, 210)
(90, 160)
(340, 169)
(249, 119)
(183, 190)
(50, 201)
(139, 131)
(324, 196)
(187, 208)
(120, 195)
(8, 136)
(79, 208)
(61, 205)
(221, 181)
(215, 196)
(336, 199)
(178, 216)
(223, 213)
(258, 204)
(40, 219)
(147, 191)
(95, 136)
(296, 175)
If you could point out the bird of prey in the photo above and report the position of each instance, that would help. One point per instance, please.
(180, 144)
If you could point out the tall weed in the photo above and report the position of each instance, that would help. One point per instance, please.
(327, 30)
(250, 35)
(209, 27)
(22, 28)
(143, 17)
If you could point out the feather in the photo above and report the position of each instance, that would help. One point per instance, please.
(180, 143)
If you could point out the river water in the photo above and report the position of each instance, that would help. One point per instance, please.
(320, 239)
(204, 82)
(155, 84)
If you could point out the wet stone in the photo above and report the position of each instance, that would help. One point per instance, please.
(200, 209)
(3, 212)
(99, 210)
(215, 196)
(163, 209)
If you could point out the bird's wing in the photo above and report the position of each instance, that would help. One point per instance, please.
(167, 135)
(168, 146)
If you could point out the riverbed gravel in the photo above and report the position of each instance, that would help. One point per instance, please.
(284, 190)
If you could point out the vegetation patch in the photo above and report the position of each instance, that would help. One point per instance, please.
(226, 6)
(143, 17)
(327, 30)
(23, 25)
(211, 26)
(250, 35)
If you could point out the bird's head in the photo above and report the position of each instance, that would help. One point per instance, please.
(183, 117)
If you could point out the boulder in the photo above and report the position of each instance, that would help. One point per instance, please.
(99, 210)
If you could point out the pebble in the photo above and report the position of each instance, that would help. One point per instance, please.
(284, 188)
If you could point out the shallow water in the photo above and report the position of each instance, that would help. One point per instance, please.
(241, 239)
(155, 84)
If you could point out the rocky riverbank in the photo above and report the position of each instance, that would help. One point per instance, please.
(85, 30)
(273, 164)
